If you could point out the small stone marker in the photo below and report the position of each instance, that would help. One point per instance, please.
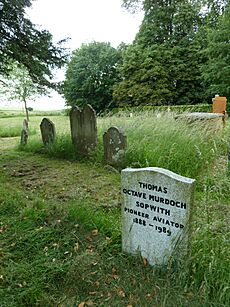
(24, 137)
(115, 143)
(155, 213)
(24, 132)
(48, 131)
(83, 129)
(25, 125)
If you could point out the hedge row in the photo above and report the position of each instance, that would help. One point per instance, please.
(178, 108)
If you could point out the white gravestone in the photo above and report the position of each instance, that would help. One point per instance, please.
(156, 211)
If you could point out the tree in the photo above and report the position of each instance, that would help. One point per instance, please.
(217, 71)
(18, 85)
(166, 69)
(144, 76)
(22, 43)
(173, 39)
(91, 74)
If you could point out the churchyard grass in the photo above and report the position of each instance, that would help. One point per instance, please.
(60, 226)
(10, 131)
(154, 139)
(13, 131)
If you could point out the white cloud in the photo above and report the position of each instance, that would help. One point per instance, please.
(86, 20)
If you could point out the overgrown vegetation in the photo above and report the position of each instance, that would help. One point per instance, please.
(61, 242)
(13, 131)
(154, 139)
(60, 224)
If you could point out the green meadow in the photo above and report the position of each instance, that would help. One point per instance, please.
(60, 216)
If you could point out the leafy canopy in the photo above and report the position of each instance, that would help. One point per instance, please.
(22, 43)
(163, 64)
(217, 70)
(91, 75)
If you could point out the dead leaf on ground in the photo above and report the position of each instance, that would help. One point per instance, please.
(121, 292)
(3, 228)
(93, 293)
(145, 261)
(95, 232)
(76, 247)
(115, 277)
(90, 250)
(109, 240)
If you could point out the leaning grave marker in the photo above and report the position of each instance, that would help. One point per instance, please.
(156, 213)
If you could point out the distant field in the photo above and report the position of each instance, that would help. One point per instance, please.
(35, 120)
(4, 112)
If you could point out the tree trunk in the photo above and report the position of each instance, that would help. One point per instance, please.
(26, 109)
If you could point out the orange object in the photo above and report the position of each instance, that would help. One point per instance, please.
(219, 105)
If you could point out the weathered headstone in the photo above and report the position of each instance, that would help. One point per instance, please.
(83, 129)
(48, 131)
(156, 211)
(115, 143)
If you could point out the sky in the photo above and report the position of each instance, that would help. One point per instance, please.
(83, 21)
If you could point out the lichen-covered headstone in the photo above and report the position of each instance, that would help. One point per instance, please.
(75, 126)
(83, 129)
(48, 131)
(115, 143)
(156, 211)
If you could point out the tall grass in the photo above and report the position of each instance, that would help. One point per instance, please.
(155, 139)
(13, 131)
(41, 258)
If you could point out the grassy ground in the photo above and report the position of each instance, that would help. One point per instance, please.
(61, 242)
